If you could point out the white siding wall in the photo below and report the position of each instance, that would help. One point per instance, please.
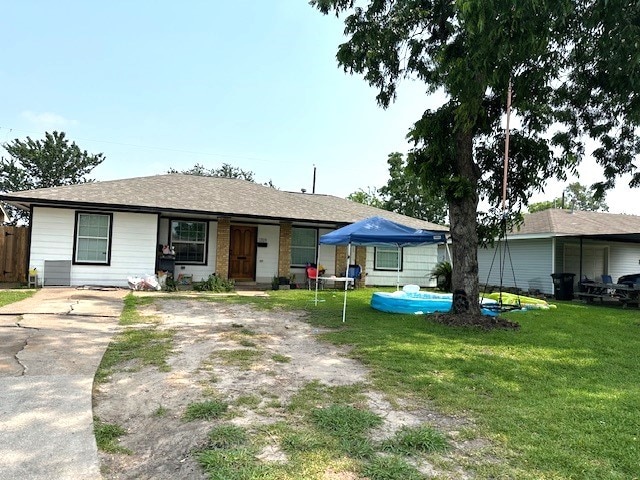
(612, 258)
(531, 261)
(163, 232)
(624, 259)
(418, 263)
(267, 257)
(133, 246)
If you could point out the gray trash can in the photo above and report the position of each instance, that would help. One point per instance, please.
(563, 285)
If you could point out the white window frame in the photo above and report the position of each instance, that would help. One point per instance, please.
(312, 250)
(202, 243)
(79, 236)
(399, 252)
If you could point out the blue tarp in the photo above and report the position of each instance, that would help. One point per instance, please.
(378, 231)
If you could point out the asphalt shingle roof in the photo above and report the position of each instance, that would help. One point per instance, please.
(555, 221)
(210, 195)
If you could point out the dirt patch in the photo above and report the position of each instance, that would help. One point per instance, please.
(470, 320)
(256, 360)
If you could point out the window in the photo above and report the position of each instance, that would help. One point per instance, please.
(189, 239)
(387, 258)
(303, 246)
(93, 238)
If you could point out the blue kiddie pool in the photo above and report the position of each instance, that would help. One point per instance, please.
(411, 300)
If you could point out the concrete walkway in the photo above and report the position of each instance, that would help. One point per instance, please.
(50, 347)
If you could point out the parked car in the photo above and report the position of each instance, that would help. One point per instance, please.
(629, 279)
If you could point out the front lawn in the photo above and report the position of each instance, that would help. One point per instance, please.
(12, 296)
(560, 398)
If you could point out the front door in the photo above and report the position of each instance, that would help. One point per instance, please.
(242, 253)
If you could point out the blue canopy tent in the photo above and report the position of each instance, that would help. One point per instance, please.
(377, 232)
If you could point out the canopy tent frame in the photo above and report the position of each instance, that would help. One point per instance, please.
(375, 232)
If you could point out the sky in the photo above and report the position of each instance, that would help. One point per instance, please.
(160, 85)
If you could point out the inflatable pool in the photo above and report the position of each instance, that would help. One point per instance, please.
(417, 302)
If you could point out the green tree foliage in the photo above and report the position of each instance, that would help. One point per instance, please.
(226, 171)
(545, 205)
(405, 193)
(576, 196)
(369, 197)
(574, 70)
(51, 162)
(580, 197)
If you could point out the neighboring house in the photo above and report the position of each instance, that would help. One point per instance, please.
(101, 233)
(587, 244)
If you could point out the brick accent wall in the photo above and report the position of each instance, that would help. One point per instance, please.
(222, 248)
(361, 259)
(284, 250)
(358, 256)
(341, 259)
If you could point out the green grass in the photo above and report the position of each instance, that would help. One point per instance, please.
(12, 296)
(410, 441)
(278, 358)
(242, 358)
(390, 468)
(107, 436)
(227, 436)
(344, 421)
(141, 347)
(130, 314)
(207, 410)
(558, 399)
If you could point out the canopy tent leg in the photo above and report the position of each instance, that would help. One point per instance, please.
(346, 284)
(317, 274)
(398, 278)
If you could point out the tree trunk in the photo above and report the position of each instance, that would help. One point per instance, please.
(464, 234)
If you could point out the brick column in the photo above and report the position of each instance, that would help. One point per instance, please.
(361, 259)
(222, 248)
(284, 250)
(341, 259)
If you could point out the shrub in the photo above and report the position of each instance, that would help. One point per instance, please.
(215, 284)
(442, 273)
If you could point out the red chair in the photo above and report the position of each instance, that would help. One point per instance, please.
(312, 275)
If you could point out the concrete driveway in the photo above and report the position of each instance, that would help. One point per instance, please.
(50, 347)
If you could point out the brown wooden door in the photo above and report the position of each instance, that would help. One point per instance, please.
(242, 253)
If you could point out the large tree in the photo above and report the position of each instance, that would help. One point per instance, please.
(575, 196)
(405, 193)
(370, 197)
(51, 162)
(573, 65)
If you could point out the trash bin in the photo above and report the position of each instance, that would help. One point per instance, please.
(563, 285)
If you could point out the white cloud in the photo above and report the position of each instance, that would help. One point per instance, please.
(47, 120)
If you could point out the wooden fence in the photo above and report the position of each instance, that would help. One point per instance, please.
(14, 243)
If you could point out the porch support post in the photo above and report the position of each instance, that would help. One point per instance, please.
(223, 243)
(284, 250)
(580, 276)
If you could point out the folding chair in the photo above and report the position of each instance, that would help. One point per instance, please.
(312, 275)
(355, 272)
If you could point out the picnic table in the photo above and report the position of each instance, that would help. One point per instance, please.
(620, 292)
